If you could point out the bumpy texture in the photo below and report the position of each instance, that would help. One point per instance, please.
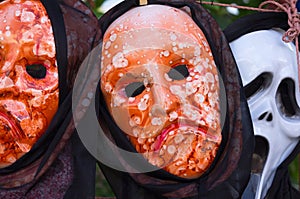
(161, 85)
(48, 170)
(28, 75)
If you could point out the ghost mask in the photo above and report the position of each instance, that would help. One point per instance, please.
(28, 77)
(269, 71)
(161, 86)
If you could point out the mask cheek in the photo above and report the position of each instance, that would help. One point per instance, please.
(132, 113)
(47, 104)
(118, 107)
(34, 126)
(8, 57)
(122, 118)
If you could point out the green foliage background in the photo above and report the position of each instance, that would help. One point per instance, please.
(224, 18)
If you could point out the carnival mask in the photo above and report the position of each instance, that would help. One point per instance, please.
(161, 87)
(269, 72)
(28, 77)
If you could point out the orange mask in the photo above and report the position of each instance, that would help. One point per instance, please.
(28, 77)
(161, 86)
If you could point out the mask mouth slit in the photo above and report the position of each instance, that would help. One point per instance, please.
(260, 154)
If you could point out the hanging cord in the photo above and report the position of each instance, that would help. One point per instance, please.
(288, 6)
(212, 3)
(293, 18)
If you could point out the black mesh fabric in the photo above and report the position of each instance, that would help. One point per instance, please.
(281, 187)
(230, 172)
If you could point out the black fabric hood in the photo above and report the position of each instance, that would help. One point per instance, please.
(229, 174)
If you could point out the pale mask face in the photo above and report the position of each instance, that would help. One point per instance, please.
(28, 77)
(269, 73)
(161, 87)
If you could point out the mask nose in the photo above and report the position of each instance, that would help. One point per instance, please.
(164, 99)
(266, 116)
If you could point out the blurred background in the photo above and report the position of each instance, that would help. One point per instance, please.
(224, 16)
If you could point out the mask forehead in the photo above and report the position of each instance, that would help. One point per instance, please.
(155, 29)
(28, 76)
(269, 54)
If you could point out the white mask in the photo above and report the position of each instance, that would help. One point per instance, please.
(269, 73)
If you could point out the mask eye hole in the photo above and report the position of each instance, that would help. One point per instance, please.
(134, 89)
(258, 84)
(179, 72)
(286, 98)
(37, 71)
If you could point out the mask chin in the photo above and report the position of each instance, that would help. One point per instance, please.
(260, 155)
(259, 158)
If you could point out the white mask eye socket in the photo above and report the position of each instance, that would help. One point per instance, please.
(258, 85)
(286, 98)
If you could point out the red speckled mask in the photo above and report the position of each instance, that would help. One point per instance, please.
(28, 77)
(161, 86)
